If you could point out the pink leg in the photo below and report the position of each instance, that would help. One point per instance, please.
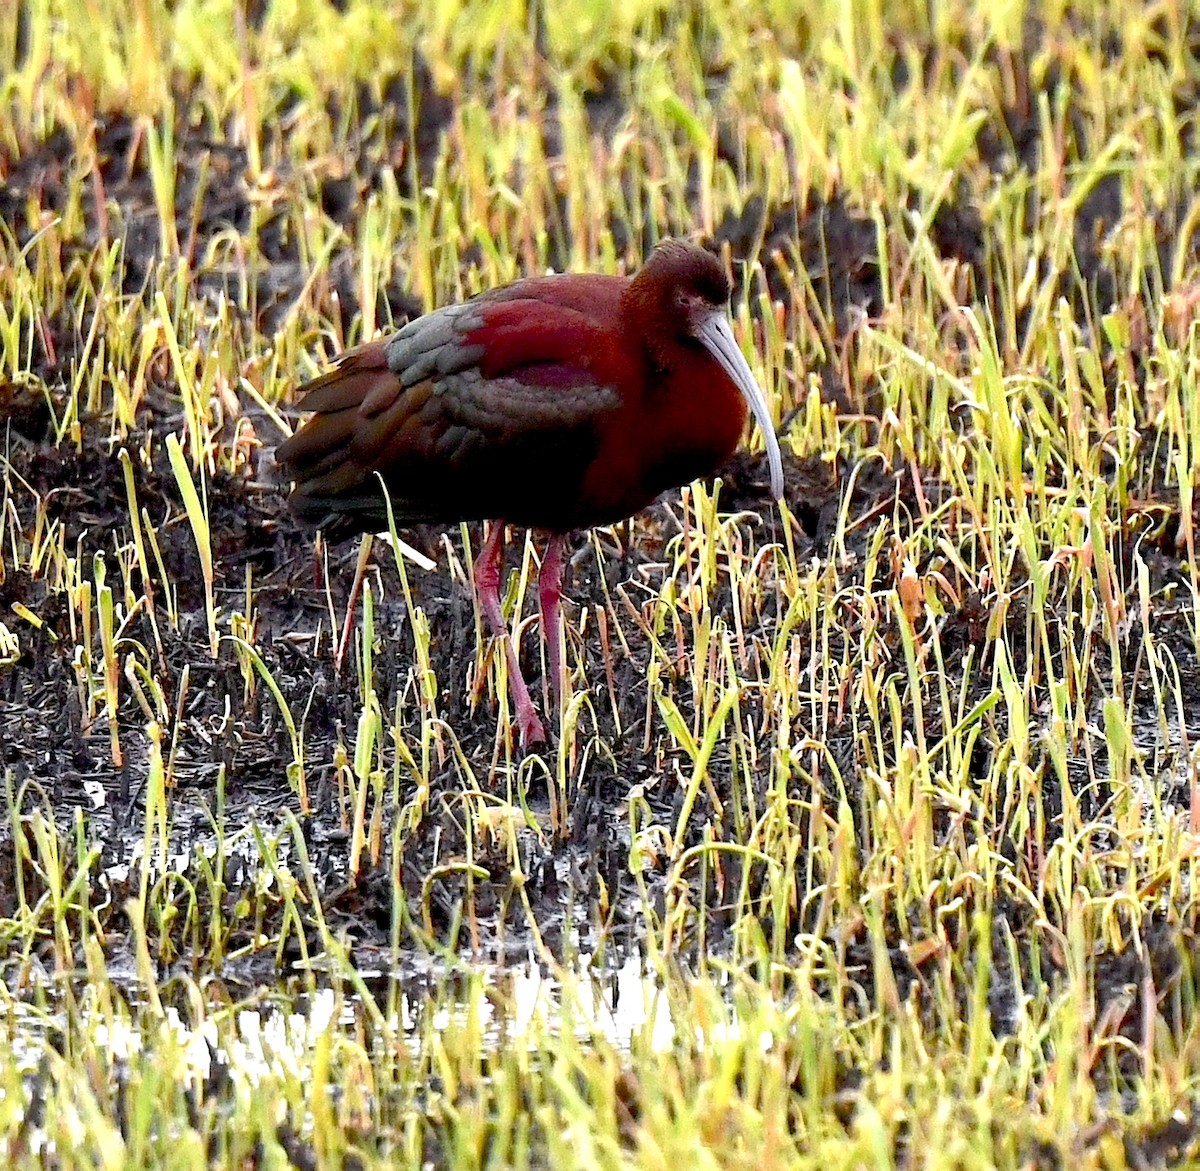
(487, 585)
(550, 596)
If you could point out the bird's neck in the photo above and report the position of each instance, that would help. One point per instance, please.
(693, 413)
(643, 317)
(698, 418)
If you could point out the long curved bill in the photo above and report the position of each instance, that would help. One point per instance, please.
(717, 336)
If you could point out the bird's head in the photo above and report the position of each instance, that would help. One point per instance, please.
(679, 301)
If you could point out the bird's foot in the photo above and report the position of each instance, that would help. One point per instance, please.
(529, 727)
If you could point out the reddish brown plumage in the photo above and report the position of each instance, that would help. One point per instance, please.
(555, 403)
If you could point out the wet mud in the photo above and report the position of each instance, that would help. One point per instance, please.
(231, 746)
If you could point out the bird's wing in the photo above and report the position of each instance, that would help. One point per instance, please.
(468, 411)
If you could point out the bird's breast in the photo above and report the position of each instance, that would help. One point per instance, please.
(649, 447)
(697, 417)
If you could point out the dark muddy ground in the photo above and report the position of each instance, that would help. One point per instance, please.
(46, 742)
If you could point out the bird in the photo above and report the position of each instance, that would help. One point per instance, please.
(554, 403)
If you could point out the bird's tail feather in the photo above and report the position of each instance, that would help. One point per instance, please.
(332, 490)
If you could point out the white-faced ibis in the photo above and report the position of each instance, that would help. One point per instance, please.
(555, 403)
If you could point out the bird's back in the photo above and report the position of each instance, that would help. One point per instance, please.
(490, 408)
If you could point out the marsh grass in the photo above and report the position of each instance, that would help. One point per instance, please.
(870, 833)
